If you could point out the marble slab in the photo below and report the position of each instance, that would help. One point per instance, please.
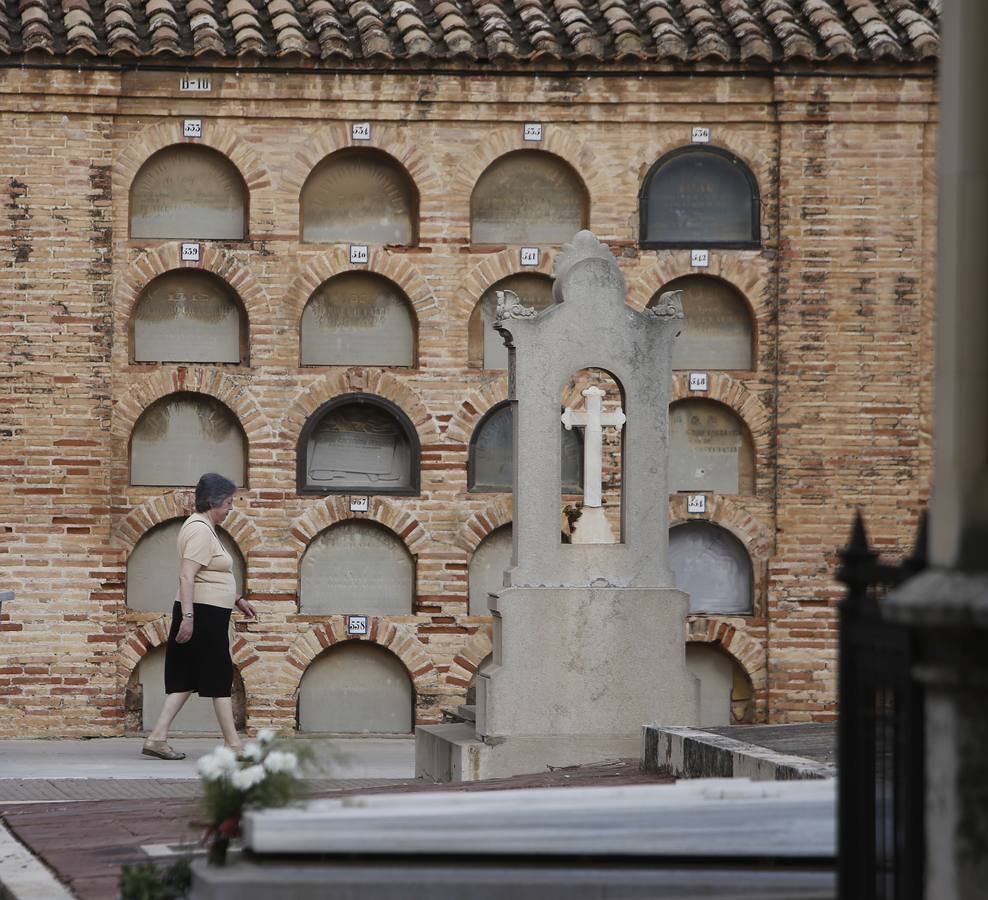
(699, 819)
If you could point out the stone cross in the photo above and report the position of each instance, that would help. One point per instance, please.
(593, 440)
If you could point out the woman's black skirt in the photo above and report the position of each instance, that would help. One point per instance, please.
(203, 663)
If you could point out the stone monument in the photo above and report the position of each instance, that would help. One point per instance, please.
(589, 637)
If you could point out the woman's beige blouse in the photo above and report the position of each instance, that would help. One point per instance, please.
(214, 584)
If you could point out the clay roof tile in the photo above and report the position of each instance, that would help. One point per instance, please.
(767, 31)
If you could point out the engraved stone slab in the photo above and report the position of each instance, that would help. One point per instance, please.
(487, 348)
(487, 566)
(152, 568)
(699, 198)
(357, 567)
(188, 192)
(354, 688)
(358, 319)
(187, 316)
(713, 567)
(184, 435)
(360, 196)
(527, 197)
(717, 328)
(360, 447)
(705, 447)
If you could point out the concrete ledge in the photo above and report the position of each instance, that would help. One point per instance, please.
(691, 753)
(23, 876)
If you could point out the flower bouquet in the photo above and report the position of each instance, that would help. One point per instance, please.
(264, 775)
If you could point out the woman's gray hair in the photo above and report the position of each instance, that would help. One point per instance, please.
(212, 490)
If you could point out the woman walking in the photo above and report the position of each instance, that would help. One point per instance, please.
(197, 655)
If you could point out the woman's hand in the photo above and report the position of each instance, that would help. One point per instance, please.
(184, 632)
(245, 606)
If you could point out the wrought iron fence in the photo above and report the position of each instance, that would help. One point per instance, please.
(880, 732)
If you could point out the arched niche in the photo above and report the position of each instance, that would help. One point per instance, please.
(356, 687)
(187, 191)
(485, 349)
(357, 566)
(528, 197)
(181, 436)
(611, 443)
(713, 567)
(487, 566)
(725, 689)
(359, 196)
(146, 695)
(699, 197)
(717, 330)
(710, 449)
(358, 442)
(490, 466)
(189, 316)
(153, 564)
(358, 319)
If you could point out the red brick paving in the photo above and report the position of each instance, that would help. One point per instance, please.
(86, 842)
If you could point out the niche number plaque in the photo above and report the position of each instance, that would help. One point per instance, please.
(190, 253)
(696, 503)
(358, 254)
(356, 624)
(196, 85)
(699, 259)
(700, 135)
(532, 131)
(698, 381)
(360, 131)
(529, 256)
(192, 128)
(358, 504)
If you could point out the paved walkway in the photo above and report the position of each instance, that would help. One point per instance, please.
(86, 842)
(86, 807)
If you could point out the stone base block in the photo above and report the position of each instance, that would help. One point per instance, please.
(586, 661)
(445, 753)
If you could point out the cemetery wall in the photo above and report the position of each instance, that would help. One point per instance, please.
(837, 402)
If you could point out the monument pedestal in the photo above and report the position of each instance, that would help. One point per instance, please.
(576, 672)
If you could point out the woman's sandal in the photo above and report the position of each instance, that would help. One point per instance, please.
(160, 750)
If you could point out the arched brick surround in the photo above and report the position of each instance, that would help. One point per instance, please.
(217, 136)
(359, 380)
(723, 388)
(493, 268)
(468, 659)
(331, 510)
(413, 157)
(397, 637)
(396, 267)
(557, 141)
(231, 390)
(165, 258)
(140, 639)
(746, 651)
(179, 504)
(482, 523)
(744, 270)
(469, 413)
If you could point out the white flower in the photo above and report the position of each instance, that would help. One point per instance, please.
(281, 761)
(266, 735)
(218, 764)
(252, 750)
(209, 770)
(247, 778)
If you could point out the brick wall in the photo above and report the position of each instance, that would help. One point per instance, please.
(838, 403)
